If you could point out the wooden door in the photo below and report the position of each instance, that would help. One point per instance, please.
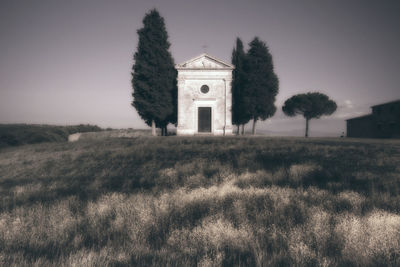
(204, 120)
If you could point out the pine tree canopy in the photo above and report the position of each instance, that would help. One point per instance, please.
(154, 74)
(310, 105)
(262, 82)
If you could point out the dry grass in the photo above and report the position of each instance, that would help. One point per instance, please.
(201, 201)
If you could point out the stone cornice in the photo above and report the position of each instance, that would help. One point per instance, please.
(223, 64)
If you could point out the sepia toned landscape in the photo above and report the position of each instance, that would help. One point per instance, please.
(206, 201)
(199, 133)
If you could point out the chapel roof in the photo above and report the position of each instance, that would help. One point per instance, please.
(204, 61)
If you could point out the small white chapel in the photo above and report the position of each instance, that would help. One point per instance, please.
(204, 96)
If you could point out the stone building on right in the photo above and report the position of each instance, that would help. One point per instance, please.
(384, 122)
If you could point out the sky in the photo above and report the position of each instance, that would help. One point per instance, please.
(69, 62)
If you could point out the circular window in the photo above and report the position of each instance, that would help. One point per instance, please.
(204, 89)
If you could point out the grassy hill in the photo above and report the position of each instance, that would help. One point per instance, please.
(201, 201)
(21, 134)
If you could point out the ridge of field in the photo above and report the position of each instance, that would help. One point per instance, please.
(21, 134)
(207, 201)
(113, 133)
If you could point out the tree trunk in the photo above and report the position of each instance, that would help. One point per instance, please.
(254, 126)
(238, 128)
(243, 129)
(307, 127)
(165, 130)
(153, 128)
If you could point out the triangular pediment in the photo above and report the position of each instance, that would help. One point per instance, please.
(204, 61)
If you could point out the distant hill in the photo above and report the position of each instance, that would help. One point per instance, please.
(20, 134)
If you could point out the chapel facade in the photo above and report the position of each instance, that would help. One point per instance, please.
(204, 96)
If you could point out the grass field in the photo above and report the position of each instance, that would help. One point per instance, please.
(249, 201)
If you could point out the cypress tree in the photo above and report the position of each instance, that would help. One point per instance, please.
(262, 83)
(173, 117)
(240, 115)
(154, 74)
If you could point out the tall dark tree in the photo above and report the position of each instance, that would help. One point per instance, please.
(172, 118)
(240, 116)
(154, 74)
(310, 105)
(262, 83)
